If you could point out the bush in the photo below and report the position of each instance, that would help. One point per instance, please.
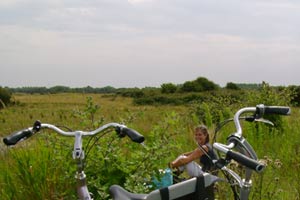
(131, 92)
(232, 86)
(167, 88)
(296, 99)
(126, 163)
(199, 85)
(213, 111)
(5, 97)
(271, 96)
(170, 99)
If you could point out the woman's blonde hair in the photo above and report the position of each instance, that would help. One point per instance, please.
(203, 129)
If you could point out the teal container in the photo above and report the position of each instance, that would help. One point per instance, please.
(165, 179)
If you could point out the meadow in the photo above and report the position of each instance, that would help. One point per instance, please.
(42, 166)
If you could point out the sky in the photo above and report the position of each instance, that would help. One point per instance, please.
(145, 43)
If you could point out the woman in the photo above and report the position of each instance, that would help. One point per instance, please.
(203, 152)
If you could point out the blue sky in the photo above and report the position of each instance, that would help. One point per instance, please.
(139, 43)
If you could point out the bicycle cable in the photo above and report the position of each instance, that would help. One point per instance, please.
(90, 144)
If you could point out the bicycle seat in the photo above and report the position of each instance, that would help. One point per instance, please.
(119, 193)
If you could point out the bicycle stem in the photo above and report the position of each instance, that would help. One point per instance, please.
(78, 156)
(78, 153)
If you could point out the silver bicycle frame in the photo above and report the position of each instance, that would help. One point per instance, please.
(237, 141)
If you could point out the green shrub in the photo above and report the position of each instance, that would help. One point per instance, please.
(199, 85)
(168, 88)
(5, 97)
(232, 86)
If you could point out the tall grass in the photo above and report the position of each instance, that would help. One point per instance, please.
(42, 167)
(33, 172)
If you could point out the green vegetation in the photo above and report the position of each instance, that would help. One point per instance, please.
(62, 89)
(200, 89)
(232, 86)
(5, 97)
(42, 166)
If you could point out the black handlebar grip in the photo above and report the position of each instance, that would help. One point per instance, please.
(16, 137)
(279, 110)
(246, 161)
(133, 135)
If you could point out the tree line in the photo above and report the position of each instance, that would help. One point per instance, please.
(198, 85)
(167, 93)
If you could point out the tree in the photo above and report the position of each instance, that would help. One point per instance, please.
(232, 86)
(201, 84)
(58, 89)
(168, 88)
(189, 86)
(206, 84)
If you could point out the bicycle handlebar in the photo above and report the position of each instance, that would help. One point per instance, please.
(259, 111)
(122, 131)
(244, 160)
(240, 158)
(279, 110)
(17, 136)
(132, 134)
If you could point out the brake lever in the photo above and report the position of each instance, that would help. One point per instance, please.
(264, 121)
(234, 175)
(255, 119)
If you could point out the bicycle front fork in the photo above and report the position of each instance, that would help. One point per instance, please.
(82, 190)
(245, 189)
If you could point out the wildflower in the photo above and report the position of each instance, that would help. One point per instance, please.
(277, 163)
(266, 161)
(279, 190)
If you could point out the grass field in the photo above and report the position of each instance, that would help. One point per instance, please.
(32, 161)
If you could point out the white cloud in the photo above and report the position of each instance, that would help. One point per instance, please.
(10, 3)
(149, 38)
(138, 1)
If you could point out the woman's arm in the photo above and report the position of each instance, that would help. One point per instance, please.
(188, 157)
(188, 153)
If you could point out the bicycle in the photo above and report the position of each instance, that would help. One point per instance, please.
(78, 152)
(194, 188)
(244, 155)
